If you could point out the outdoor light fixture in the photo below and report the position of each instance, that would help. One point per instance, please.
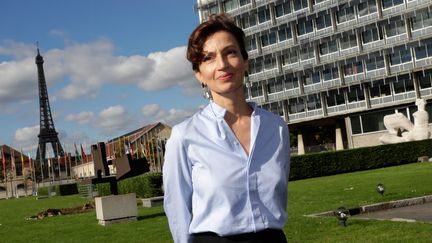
(342, 215)
(380, 189)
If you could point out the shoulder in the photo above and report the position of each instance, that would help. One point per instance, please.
(181, 129)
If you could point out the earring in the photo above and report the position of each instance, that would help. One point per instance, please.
(206, 92)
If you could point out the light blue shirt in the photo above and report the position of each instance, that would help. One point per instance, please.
(212, 184)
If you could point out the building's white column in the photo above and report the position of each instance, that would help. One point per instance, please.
(339, 141)
(300, 144)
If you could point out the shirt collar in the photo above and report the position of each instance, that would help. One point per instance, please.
(219, 111)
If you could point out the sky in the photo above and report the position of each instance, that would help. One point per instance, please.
(111, 67)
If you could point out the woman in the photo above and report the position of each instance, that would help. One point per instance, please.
(226, 167)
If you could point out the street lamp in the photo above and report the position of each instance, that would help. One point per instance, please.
(380, 189)
(342, 215)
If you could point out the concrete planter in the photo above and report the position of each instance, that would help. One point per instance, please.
(116, 209)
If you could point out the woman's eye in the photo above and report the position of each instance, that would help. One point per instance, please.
(207, 58)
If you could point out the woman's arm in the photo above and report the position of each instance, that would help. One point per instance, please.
(177, 188)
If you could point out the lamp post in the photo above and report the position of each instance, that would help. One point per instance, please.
(380, 189)
(342, 215)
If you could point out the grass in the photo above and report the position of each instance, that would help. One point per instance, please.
(305, 197)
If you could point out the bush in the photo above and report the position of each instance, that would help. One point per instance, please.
(46, 191)
(343, 161)
(147, 185)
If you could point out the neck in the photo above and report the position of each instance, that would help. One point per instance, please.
(235, 106)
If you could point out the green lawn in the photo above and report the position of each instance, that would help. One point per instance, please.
(305, 197)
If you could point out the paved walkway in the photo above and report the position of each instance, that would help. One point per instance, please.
(421, 212)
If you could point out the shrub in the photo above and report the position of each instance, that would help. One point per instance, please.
(343, 161)
(147, 185)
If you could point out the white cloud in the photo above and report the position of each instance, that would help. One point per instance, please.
(155, 113)
(86, 67)
(83, 117)
(113, 119)
(27, 138)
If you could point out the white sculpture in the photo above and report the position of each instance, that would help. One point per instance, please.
(401, 129)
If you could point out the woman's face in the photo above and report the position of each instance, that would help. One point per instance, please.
(223, 67)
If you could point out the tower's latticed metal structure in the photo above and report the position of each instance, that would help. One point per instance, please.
(47, 132)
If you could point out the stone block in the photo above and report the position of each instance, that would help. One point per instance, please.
(152, 201)
(116, 208)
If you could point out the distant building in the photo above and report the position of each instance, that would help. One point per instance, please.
(148, 141)
(17, 181)
(334, 68)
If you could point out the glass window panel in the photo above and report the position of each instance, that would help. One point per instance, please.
(425, 79)
(355, 94)
(300, 4)
(355, 125)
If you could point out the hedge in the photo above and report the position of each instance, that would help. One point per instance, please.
(349, 160)
(145, 186)
(67, 189)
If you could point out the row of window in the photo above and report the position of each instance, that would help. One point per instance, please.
(376, 89)
(291, 6)
(374, 61)
(372, 121)
(394, 27)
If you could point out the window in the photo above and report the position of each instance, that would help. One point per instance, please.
(263, 15)
(312, 78)
(300, 4)
(209, 11)
(355, 93)
(403, 84)
(374, 63)
(345, 13)
(423, 51)
(348, 41)
(328, 47)
(400, 55)
(268, 39)
(330, 73)
(379, 88)
(395, 27)
(256, 89)
(313, 102)
(391, 3)
(424, 79)
(304, 26)
(250, 43)
(296, 105)
(256, 66)
(230, 5)
(335, 97)
(274, 107)
(244, 2)
(422, 19)
(371, 35)
(275, 85)
(284, 33)
(366, 8)
(291, 82)
(269, 62)
(373, 122)
(307, 53)
(283, 9)
(248, 21)
(356, 125)
(353, 68)
(323, 21)
(289, 57)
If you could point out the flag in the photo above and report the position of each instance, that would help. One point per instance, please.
(22, 163)
(30, 162)
(13, 160)
(84, 156)
(4, 161)
(77, 155)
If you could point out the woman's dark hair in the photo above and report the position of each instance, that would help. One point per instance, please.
(215, 23)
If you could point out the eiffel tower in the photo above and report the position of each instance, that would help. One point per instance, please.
(47, 132)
